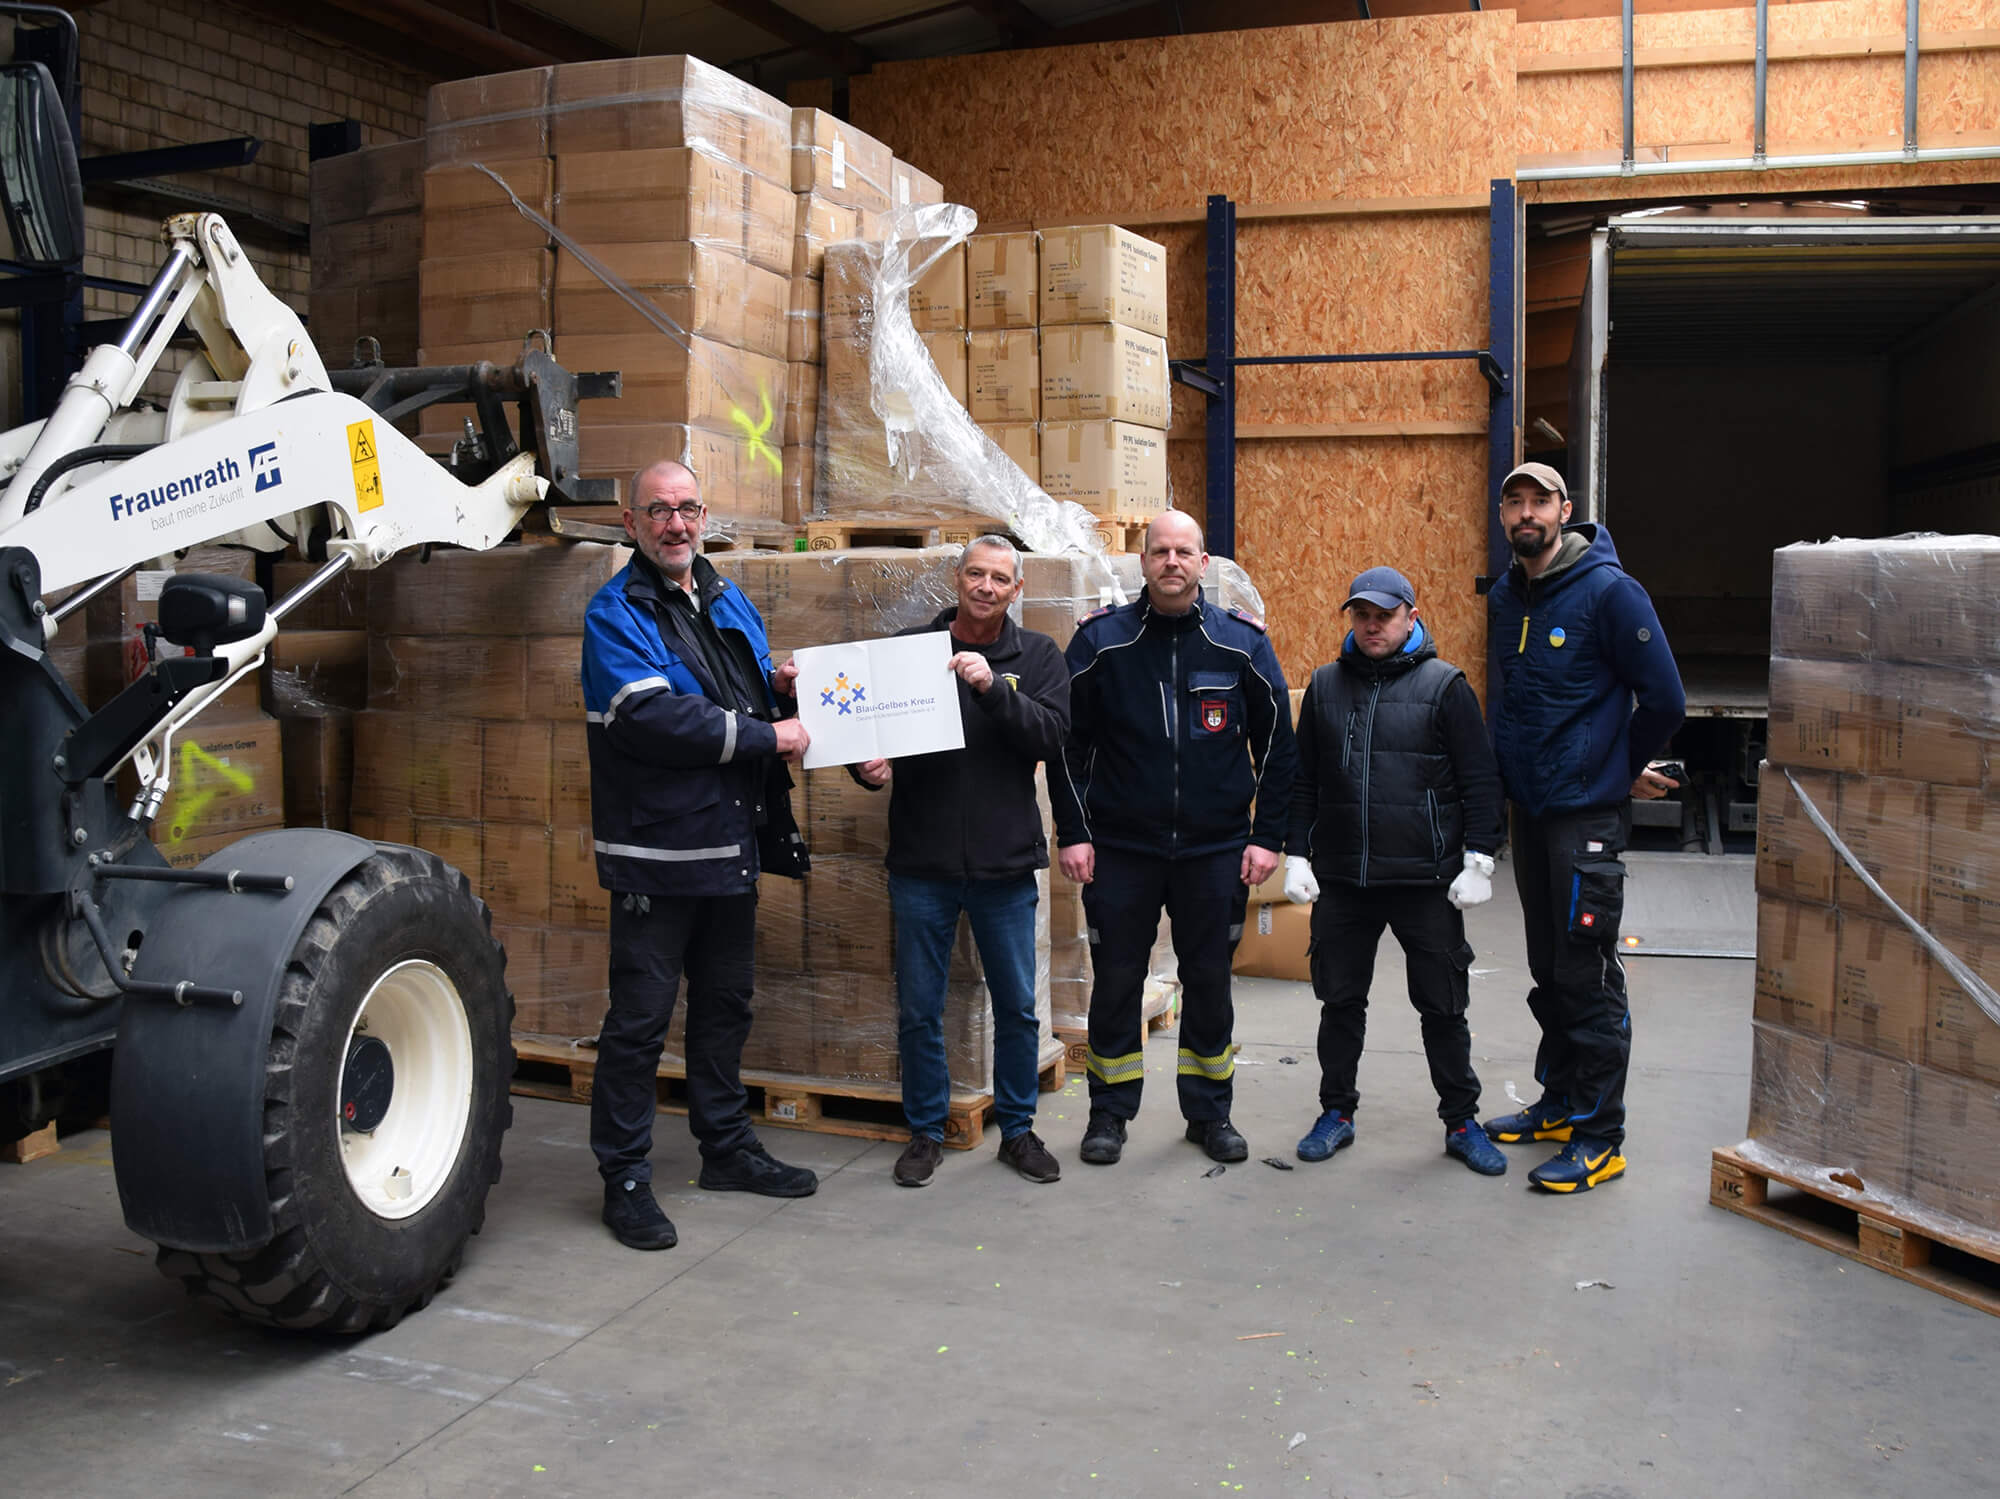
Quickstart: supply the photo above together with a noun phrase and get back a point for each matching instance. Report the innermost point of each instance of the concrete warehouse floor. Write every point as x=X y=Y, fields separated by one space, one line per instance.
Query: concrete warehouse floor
x=985 y=1336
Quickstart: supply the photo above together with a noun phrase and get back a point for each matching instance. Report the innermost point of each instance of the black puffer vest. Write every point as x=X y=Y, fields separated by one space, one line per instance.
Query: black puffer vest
x=1389 y=809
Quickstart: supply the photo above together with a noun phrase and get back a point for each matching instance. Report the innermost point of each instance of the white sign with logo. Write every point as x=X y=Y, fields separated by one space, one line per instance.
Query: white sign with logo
x=878 y=699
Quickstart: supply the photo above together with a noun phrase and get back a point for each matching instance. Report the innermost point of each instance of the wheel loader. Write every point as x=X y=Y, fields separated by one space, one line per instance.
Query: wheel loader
x=307 y=1032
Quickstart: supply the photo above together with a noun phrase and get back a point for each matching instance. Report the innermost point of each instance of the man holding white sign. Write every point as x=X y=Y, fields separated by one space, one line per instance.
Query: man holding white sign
x=965 y=835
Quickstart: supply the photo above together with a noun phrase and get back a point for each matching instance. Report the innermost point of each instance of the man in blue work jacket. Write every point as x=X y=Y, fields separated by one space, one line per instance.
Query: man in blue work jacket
x=689 y=729
x=1179 y=718
x=1588 y=692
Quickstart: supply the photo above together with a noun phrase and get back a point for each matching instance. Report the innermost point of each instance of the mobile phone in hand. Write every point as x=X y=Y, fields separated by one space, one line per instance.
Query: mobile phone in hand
x=1674 y=770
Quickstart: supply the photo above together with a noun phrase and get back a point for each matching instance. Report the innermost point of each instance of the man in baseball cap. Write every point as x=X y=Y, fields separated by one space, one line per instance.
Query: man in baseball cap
x=1588 y=691
x=1396 y=817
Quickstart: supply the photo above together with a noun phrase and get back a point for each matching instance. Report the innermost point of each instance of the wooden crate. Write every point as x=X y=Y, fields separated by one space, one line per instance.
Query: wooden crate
x=1841 y=1215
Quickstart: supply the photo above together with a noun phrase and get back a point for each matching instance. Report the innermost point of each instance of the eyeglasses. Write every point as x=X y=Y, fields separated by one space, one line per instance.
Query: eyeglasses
x=657 y=513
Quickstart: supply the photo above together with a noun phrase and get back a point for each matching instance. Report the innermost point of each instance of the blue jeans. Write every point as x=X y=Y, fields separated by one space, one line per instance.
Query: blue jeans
x=1003 y=925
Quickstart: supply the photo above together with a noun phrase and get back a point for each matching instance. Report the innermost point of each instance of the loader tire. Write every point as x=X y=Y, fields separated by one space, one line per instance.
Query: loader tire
x=399 y=959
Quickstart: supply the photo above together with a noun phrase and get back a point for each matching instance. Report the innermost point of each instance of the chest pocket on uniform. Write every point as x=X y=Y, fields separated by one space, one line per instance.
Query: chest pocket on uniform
x=1216 y=699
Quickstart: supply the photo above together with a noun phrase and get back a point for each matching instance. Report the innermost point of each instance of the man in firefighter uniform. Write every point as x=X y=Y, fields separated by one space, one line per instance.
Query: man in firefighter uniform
x=1179 y=719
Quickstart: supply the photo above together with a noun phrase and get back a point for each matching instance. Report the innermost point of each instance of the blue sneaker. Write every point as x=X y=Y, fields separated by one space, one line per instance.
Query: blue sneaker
x=1469 y=1143
x=1580 y=1165
x=1545 y=1119
x=1330 y=1131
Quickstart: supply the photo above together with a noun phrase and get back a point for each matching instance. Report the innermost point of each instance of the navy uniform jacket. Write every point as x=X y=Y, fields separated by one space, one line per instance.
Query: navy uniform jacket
x=1177 y=723
x=687 y=793
x=1578 y=647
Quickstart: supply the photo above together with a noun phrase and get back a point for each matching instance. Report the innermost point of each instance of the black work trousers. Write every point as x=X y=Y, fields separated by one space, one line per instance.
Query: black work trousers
x=1572 y=886
x=1204 y=898
x=655 y=941
x=1347 y=926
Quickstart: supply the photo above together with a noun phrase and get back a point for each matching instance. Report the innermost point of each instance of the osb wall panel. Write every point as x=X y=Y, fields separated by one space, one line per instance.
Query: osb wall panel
x=1811 y=103
x=1390 y=284
x=1414 y=503
x=1417 y=107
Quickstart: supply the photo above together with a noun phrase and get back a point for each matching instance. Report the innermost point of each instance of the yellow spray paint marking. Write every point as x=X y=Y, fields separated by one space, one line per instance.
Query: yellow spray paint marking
x=366 y=463
x=212 y=777
x=754 y=432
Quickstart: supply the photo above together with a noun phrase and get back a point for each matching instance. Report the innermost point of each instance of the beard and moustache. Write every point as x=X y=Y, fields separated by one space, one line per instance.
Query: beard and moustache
x=1530 y=540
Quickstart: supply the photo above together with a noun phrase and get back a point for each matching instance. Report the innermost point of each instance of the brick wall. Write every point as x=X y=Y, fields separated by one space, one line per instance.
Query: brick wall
x=172 y=72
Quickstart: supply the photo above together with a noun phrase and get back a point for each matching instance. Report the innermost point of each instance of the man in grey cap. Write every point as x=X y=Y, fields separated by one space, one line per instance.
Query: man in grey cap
x=1396 y=817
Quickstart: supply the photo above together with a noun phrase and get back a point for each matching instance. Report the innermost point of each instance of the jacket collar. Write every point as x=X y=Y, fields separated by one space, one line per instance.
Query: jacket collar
x=646 y=582
x=1009 y=643
x=1151 y=617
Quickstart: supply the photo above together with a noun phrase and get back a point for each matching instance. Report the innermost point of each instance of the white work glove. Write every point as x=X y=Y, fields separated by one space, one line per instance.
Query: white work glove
x=1301 y=889
x=1474 y=885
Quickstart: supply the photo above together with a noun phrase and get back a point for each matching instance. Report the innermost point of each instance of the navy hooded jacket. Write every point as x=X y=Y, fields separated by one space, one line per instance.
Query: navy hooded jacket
x=1577 y=646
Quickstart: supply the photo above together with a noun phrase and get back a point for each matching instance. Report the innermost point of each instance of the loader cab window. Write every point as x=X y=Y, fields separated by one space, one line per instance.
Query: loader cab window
x=40 y=187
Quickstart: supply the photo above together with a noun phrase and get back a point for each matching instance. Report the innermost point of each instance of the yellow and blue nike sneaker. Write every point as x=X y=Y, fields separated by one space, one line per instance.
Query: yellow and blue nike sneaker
x=1580 y=1165
x=1545 y=1119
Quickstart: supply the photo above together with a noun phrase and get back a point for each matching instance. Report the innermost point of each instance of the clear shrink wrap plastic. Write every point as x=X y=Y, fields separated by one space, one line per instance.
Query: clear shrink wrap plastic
x=1876 y=1031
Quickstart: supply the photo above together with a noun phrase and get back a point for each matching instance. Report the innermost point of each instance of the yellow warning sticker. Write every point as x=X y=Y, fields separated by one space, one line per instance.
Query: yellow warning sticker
x=366 y=462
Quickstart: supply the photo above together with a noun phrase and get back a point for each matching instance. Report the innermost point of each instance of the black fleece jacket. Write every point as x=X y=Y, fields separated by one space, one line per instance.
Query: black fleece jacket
x=970 y=814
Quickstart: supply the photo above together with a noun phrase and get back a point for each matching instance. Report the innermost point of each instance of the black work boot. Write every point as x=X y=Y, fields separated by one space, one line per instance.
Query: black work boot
x=753 y=1169
x=919 y=1159
x=1219 y=1138
x=1103 y=1140
x=634 y=1218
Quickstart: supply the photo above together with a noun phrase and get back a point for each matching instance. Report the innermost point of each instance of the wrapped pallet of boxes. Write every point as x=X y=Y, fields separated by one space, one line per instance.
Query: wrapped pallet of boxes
x=472 y=746
x=661 y=246
x=367 y=240
x=1876 y=1026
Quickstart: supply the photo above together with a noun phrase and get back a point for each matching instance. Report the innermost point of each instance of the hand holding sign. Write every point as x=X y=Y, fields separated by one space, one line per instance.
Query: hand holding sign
x=876 y=699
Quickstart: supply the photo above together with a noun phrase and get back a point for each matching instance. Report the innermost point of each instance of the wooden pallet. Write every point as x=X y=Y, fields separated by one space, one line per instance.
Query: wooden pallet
x=769 y=539
x=1159 y=1010
x=565 y=1072
x=1122 y=533
x=929 y=531
x=1842 y=1216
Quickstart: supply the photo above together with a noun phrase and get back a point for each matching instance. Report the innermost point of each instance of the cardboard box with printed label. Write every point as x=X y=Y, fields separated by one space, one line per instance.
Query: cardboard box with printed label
x=816 y=223
x=228 y=780
x=950 y=353
x=937 y=295
x=1959 y=1036
x=833 y=159
x=1963 y=894
x=1274 y=943
x=1101 y=273
x=1005 y=383
x=1795 y=965
x=1825 y=715
x=1020 y=441
x=1823 y=601
x=702 y=292
x=1003 y=280
x=913 y=188
x=1882 y=988
x=1104 y=372
x=1794 y=858
x=1886 y=824
x=1955 y=1148
x=1867 y=1128
x=1111 y=468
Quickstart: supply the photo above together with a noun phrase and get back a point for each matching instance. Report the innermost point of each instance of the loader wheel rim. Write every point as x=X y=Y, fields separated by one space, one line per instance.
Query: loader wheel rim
x=399 y=1168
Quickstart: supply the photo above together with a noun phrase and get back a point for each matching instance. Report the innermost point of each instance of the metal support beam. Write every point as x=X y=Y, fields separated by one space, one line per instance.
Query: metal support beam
x=1503 y=308
x=1021 y=26
x=168 y=161
x=1626 y=151
x=1910 y=80
x=1221 y=495
x=843 y=52
x=1763 y=77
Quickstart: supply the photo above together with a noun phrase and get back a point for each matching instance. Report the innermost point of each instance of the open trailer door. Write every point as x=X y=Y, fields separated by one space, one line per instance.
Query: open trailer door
x=1587 y=352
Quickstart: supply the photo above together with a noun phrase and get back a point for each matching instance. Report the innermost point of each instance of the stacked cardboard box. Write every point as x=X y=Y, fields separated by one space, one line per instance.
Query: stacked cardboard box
x=315 y=681
x=472 y=746
x=1275 y=932
x=668 y=186
x=367 y=233
x=1869 y=1055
